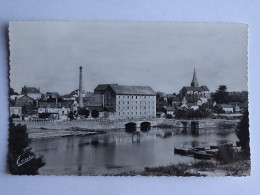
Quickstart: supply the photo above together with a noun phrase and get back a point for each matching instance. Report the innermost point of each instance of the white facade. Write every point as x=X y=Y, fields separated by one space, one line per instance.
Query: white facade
x=136 y=106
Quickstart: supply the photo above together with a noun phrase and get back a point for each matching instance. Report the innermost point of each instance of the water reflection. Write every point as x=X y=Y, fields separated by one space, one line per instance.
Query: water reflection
x=115 y=151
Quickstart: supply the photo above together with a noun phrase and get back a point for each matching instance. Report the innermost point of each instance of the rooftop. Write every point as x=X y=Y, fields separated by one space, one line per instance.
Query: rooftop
x=126 y=90
x=202 y=88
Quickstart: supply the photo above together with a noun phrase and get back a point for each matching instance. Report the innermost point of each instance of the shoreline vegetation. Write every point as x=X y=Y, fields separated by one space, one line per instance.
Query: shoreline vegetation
x=240 y=166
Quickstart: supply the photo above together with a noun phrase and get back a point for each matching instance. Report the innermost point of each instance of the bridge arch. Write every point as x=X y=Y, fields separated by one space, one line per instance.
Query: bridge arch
x=145 y=126
x=130 y=127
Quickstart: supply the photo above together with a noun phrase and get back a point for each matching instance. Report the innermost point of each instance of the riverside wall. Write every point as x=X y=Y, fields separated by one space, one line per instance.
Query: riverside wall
x=110 y=124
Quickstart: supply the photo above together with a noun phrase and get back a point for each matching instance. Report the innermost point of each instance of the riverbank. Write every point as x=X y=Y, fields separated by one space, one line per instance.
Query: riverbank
x=199 y=169
x=52 y=133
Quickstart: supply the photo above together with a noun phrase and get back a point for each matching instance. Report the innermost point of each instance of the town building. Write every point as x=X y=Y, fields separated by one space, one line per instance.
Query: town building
x=15 y=111
x=126 y=101
x=22 y=100
x=228 y=108
x=58 y=110
x=194 y=90
x=31 y=92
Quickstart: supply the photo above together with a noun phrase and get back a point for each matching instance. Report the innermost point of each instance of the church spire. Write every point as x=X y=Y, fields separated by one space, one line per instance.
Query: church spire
x=194 y=82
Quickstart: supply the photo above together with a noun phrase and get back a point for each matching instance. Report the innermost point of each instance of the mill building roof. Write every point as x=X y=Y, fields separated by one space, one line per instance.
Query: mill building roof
x=127 y=90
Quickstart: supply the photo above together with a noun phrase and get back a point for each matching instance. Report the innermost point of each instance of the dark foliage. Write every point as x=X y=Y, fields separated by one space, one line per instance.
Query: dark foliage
x=44 y=115
x=94 y=113
x=218 y=109
x=192 y=114
x=169 y=116
x=242 y=132
x=238 y=96
x=225 y=154
x=221 y=95
x=19 y=150
x=70 y=115
x=83 y=112
x=12 y=92
x=15 y=116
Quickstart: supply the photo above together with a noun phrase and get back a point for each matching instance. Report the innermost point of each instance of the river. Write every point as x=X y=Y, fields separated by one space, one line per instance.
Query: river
x=116 y=152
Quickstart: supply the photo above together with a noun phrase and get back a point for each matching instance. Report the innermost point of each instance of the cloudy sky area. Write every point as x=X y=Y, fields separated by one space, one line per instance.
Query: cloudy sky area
x=160 y=55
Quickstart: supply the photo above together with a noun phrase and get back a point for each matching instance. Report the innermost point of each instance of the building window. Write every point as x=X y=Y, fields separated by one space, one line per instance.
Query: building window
x=136 y=108
x=123 y=102
x=127 y=107
x=132 y=113
x=123 y=113
x=140 y=113
x=136 y=113
x=127 y=102
x=135 y=97
x=127 y=113
x=119 y=102
x=119 y=113
x=127 y=97
x=144 y=97
x=132 y=97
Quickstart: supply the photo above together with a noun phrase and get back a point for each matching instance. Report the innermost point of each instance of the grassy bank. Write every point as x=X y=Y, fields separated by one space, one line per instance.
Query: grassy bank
x=198 y=169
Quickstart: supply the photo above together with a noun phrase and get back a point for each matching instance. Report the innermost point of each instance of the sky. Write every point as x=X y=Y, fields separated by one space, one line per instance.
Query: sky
x=161 y=55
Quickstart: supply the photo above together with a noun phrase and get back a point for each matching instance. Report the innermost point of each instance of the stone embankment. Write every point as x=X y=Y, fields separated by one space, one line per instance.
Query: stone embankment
x=105 y=124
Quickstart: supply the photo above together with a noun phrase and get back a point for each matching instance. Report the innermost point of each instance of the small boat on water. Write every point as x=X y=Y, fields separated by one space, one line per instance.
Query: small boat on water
x=200 y=148
x=183 y=151
x=214 y=147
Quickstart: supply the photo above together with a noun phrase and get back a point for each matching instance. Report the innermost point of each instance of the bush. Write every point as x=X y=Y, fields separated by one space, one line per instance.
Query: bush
x=70 y=115
x=15 y=116
x=83 y=112
x=226 y=154
x=94 y=113
x=44 y=115
x=169 y=116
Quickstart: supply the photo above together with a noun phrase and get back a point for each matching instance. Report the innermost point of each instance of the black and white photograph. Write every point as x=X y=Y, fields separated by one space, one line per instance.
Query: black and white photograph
x=128 y=99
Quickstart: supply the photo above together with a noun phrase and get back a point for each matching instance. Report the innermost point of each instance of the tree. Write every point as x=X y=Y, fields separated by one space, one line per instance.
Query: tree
x=21 y=160
x=94 y=113
x=221 y=95
x=70 y=115
x=12 y=92
x=242 y=132
x=83 y=112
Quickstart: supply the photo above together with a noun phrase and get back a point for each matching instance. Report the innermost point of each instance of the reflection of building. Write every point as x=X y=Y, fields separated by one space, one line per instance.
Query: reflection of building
x=126 y=101
x=194 y=90
x=31 y=92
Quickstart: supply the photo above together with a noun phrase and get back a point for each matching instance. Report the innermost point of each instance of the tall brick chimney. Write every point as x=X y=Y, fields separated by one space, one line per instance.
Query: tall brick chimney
x=81 y=105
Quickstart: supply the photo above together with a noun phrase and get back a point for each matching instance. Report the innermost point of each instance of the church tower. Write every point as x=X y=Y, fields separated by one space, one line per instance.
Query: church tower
x=194 y=82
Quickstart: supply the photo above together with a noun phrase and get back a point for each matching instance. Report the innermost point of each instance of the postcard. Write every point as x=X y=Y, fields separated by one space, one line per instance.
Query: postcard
x=128 y=99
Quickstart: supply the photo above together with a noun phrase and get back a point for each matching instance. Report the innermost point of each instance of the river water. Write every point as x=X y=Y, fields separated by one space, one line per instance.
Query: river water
x=116 y=151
